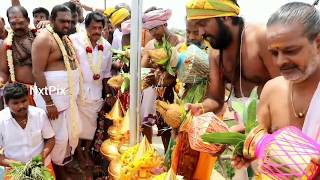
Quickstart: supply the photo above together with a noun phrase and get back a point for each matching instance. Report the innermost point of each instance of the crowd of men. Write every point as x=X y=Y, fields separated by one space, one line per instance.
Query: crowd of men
x=68 y=58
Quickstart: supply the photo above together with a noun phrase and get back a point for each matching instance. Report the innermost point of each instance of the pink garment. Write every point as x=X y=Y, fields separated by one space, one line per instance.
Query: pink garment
x=156 y=18
x=126 y=27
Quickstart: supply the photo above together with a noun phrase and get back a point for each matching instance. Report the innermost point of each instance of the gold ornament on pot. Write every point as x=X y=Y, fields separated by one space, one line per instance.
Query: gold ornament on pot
x=116 y=114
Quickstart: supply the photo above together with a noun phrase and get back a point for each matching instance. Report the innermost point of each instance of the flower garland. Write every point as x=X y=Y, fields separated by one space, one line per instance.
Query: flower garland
x=96 y=70
x=75 y=128
x=8 y=49
x=130 y=165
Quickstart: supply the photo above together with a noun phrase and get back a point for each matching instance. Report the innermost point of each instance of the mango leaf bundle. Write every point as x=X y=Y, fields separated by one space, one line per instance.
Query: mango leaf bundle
x=162 y=55
x=247 y=112
x=123 y=56
x=33 y=169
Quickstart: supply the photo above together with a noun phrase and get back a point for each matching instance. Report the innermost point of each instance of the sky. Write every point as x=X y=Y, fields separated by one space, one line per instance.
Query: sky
x=255 y=11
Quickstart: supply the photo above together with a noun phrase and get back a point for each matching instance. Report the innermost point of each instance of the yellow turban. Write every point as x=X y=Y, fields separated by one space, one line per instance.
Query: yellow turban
x=116 y=16
x=203 y=9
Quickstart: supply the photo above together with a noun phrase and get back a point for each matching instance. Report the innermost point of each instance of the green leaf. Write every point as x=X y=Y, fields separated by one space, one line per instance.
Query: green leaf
x=37 y=159
x=125 y=85
x=239 y=107
x=254 y=93
x=168 y=154
x=229 y=138
x=238 y=149
x=199 y=92
x=170 y=70
x=190 y=96
x=251 y=115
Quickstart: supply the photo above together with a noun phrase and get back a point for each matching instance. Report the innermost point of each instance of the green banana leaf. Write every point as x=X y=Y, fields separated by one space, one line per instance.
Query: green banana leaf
x=250 y=112
x=228 y=138
x=168 y=154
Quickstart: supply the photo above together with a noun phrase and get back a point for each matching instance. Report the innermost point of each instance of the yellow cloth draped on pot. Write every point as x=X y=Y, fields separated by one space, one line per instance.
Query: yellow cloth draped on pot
x=116 y=16
x=204 y=9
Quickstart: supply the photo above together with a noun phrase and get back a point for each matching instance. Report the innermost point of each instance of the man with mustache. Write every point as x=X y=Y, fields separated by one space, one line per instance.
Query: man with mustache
x=193 y=37
x=55 y=65
x=293 y=39
x=243 y=62
x=15 y=53
x=94 y=53
x=25 y=131
x=40 y=14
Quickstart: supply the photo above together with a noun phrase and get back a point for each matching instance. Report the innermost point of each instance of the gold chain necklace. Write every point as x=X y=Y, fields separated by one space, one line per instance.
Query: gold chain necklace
x=299 y=115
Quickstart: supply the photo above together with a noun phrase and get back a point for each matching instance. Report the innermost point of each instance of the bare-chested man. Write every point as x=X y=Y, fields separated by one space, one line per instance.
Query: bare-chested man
x=155 y=21
x=15 y=59
x=55 y=67
x=293 y=38
x=244 y=60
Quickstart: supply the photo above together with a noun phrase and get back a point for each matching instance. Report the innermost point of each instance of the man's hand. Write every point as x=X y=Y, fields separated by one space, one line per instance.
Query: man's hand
x=42 y=24
x=196 y=109
x=239 y=162
x=52 y=112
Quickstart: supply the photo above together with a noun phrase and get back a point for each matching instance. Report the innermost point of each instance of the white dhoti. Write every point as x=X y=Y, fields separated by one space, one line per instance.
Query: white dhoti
x=148 y=109
x=66 y=135
x=88 y=111
x=311 y=125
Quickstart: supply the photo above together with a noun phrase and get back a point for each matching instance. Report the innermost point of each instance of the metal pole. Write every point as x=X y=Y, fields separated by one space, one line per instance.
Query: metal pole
x=135 y=59
x=105 y=4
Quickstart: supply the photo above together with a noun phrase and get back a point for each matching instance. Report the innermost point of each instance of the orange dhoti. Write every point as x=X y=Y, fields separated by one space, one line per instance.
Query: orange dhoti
x=189 y=163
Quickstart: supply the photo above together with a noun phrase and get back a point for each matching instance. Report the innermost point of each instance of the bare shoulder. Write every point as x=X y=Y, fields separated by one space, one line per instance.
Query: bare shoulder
x=44 y=37
x=256 y=32
x=213 y=55
x=150 y=44
x=274 y=86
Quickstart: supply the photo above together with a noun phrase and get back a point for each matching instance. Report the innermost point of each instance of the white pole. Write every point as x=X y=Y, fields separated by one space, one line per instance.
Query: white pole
x=135 y=65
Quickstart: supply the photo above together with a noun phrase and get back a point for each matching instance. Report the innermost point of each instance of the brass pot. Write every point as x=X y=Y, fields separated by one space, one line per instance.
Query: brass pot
x=109 y=149
x=114 y=169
